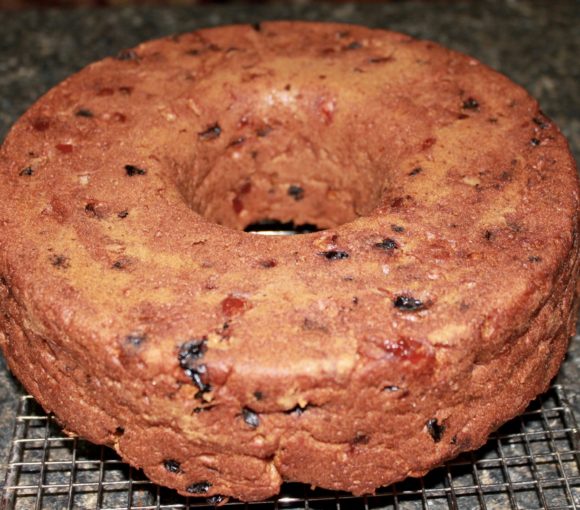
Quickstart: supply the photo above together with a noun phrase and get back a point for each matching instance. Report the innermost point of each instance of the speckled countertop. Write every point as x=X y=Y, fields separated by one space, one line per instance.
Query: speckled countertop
x=535 y=43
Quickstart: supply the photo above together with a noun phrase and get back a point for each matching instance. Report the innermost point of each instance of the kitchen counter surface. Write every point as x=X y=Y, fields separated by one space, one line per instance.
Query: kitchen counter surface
x=535 y=43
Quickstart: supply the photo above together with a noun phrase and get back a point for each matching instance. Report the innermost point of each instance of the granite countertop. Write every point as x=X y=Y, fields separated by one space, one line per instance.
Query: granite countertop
x=535 y=43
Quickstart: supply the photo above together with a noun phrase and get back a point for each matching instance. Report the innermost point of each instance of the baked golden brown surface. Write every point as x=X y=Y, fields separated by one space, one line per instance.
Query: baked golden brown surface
x=437 y=303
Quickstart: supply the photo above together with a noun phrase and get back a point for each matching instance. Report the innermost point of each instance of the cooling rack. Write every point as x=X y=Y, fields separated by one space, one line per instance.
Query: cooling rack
x=533 y=462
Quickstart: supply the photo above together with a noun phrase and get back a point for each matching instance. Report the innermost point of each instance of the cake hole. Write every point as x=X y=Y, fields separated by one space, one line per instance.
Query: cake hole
x=280 y=228
x=286 y=160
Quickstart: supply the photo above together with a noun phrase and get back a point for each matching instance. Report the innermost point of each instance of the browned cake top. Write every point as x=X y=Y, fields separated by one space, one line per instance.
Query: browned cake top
x=449 y=201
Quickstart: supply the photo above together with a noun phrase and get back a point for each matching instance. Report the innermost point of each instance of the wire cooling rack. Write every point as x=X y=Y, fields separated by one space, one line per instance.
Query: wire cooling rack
x=533 y=462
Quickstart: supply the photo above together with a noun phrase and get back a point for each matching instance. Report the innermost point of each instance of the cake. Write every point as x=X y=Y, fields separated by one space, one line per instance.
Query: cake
x=434 y=303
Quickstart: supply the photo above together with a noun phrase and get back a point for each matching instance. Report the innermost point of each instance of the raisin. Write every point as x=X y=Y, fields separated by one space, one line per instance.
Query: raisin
x=135 y=339
x=534 y=258
x=408 y=303
x=534 y=142
x=268 y=263
x=196 y=375
x=191 y=351
x=387 y=244
x=397 y=228
x=251 y=418
x=211 y=133
x=264 y=131
x=257 y=26
x=313 y=325
x=120 y=264
x=416 y=170
x=83 y=112
x=435 y=429
x=215 y=500
x=134 y=170
x=540 y=122
x=334 y=255
x=93 y=210
x=296 y=192
x=258 y=395
x=199 y=487
x=391 y=388
x=60 y=261
x=188 y=355
x=172 y=466
x=360 y=439
x=470 y=104
x=488 y=235
x=28 y=171
x=202 y=409
x=355 y=45
x=123 y=214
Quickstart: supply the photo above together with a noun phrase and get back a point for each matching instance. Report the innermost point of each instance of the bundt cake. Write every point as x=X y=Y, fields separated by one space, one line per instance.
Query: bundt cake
x=433 y=304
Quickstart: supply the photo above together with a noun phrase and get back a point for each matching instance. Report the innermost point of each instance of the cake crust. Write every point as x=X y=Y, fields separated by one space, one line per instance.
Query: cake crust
x=435 y=305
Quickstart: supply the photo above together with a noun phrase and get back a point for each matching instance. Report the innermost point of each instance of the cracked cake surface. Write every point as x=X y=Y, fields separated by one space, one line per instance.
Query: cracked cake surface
x=434 y=304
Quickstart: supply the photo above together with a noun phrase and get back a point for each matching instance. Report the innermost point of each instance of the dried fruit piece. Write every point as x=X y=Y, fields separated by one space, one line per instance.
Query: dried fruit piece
x=199 y=487
x=216 y=500
x=60 y=261
x=134 y=170
x=188 y=356
x=435 y=429
x=296 y=192
x=135 y=339
x=334 y=254
x=172 y=465
x=84 y=112
x=408 y=303
x=470 y=104
x=250 y=417
x=191 y=351
x=233 y=305
x=387 y=244
x=211 y=133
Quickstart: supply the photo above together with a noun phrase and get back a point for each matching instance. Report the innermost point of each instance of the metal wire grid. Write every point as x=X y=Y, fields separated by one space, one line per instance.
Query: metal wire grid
x=533 y=462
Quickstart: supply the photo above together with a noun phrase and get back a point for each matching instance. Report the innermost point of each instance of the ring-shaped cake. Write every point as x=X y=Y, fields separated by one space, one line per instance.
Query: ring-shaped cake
x=434 y=304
